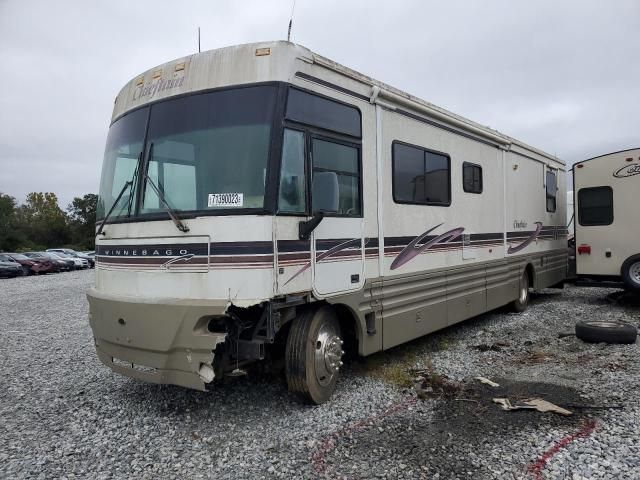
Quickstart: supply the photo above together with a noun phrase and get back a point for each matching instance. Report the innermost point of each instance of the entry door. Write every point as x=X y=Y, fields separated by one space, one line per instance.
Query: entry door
x=338 y=244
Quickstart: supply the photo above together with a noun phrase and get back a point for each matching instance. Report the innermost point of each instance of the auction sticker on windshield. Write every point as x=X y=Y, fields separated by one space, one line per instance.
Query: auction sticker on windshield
x=226 y=200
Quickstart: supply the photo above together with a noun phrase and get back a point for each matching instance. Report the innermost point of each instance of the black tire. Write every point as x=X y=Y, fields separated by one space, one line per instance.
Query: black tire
x=521 y=303
x=308 y=340
x=607 y=331
x=630 y=272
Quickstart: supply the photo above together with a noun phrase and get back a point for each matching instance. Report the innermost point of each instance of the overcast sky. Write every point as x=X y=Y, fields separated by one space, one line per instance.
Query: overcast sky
x=563 y=76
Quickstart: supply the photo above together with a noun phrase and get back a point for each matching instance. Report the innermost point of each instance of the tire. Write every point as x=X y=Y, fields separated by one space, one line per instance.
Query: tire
x=521 y=303
x=630 y=272
x=594 y=331
x=313 y=353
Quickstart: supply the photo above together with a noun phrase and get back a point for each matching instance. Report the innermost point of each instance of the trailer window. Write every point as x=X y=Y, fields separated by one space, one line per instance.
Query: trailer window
x=595 y=206
x=421 y=176
x=551 y=190
x=471 y=177
x=343 y=161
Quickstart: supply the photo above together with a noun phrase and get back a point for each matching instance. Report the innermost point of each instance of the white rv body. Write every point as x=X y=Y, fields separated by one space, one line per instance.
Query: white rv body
x=607 y=220
x=393 y=270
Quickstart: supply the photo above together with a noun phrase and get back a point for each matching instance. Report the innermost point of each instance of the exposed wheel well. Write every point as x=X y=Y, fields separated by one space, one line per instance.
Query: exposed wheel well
x=530 y=275
x=348 y=326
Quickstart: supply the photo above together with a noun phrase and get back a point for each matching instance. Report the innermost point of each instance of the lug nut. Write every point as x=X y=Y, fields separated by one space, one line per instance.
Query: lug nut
x=341 y=363
x=341 y=342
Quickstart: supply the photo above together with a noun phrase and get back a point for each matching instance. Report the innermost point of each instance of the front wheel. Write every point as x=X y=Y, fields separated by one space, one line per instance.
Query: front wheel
x=520 y=304
x=313 y=354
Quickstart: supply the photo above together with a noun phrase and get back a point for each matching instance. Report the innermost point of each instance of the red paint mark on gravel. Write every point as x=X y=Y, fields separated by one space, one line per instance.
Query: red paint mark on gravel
x=536 y=467
x=319 y=457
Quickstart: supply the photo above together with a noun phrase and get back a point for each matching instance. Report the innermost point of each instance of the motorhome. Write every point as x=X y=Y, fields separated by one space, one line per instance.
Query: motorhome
x=262 y=201
x=607 y=221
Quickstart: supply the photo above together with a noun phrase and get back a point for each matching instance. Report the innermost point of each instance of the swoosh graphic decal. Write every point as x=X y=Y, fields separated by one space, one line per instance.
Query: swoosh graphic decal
x=413 y=249
x=181 y=258
x=342 y=246
x=525 y=244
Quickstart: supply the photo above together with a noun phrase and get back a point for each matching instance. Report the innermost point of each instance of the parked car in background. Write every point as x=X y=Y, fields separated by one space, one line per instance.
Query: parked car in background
x=9 y=267
x=40 y=258
x=59 y=264
x=72 y=253
x=71 y=263
x=79 y=263
x=31 y=266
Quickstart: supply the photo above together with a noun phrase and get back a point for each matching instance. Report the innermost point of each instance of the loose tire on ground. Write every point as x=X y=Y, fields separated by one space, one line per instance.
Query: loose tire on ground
x=597 y=331
x=313 y=354
x=520 y=304
x=630 y=272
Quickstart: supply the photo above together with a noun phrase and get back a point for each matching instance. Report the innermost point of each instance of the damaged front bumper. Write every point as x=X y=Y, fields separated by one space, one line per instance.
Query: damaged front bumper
x=156 y=340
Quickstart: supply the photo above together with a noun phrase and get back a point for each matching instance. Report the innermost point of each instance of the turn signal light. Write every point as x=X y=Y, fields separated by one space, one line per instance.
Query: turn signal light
x=586 y=249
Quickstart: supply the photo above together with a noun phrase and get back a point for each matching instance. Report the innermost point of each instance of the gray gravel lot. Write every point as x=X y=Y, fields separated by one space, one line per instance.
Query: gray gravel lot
x=65 y=415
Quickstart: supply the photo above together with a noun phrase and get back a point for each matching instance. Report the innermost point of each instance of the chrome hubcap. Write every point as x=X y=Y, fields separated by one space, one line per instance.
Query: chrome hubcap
x=328 y=354
x=634 y=272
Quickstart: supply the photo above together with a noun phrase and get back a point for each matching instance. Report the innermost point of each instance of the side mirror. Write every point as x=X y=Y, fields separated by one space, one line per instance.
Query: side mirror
x=325 y=194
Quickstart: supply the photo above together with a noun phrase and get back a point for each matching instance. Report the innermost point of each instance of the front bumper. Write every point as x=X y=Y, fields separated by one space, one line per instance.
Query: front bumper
x=163 y=341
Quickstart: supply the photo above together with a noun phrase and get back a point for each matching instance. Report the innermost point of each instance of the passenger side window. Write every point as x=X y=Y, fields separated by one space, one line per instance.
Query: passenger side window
x=551 y=190
x=421 y=176
x=337 y=168
x=595 y=206
x=471 y=178
x=292 y=197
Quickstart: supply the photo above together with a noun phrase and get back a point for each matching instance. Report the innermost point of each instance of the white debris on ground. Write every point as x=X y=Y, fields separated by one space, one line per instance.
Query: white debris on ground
x=65 y=415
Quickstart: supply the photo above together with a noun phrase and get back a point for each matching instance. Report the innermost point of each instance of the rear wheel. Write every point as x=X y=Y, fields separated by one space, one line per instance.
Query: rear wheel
x=313 y=354
x=520 y=304
x=631 y=273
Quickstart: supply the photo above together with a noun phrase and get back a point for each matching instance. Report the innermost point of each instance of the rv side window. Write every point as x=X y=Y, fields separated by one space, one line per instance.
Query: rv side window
x=551 y=191
x=337 y=167
x=421 y=176
x=595 y=206
x=292 y=179
x=315 y=110
x=471 y=178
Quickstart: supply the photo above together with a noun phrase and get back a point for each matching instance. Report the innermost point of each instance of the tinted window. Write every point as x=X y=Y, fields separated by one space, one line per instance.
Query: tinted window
x=551 y=189
x=124 y=145
x=420 y=176
x=471 y=178
x=210 y=150
x=319 y=111
x=595 y=206
x=342 y=161
x=292 y=179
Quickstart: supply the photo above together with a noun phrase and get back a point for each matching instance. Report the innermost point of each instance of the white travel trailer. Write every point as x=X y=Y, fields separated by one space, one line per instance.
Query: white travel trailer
x=607 y=220
x=262 y=200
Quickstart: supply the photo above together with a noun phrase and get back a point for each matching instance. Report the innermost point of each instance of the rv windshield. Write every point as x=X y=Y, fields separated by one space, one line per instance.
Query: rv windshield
x=210 y=153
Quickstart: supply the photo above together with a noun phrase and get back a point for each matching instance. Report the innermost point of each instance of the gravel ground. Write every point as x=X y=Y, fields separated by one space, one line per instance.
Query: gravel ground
x=64 y=415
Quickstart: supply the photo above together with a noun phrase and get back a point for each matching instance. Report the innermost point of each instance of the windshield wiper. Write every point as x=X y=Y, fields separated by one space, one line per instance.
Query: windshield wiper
x=172 y=213
x=128 y=184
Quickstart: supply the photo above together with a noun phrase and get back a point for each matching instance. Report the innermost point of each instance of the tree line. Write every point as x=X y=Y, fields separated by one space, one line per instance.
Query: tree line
x=39 y=223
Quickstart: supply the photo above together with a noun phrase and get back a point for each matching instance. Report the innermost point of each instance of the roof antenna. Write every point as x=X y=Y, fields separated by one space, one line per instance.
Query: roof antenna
x=198 y=39
x=291 y=21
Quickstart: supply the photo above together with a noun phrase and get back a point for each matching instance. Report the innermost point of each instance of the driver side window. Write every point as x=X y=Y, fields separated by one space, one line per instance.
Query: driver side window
x=292 y=197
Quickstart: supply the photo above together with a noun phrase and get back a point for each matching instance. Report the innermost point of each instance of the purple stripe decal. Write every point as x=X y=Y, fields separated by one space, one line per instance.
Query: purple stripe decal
x=525 y=244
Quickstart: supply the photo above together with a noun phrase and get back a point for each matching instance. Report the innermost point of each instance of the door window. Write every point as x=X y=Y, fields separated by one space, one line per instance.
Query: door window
x=337 y=166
